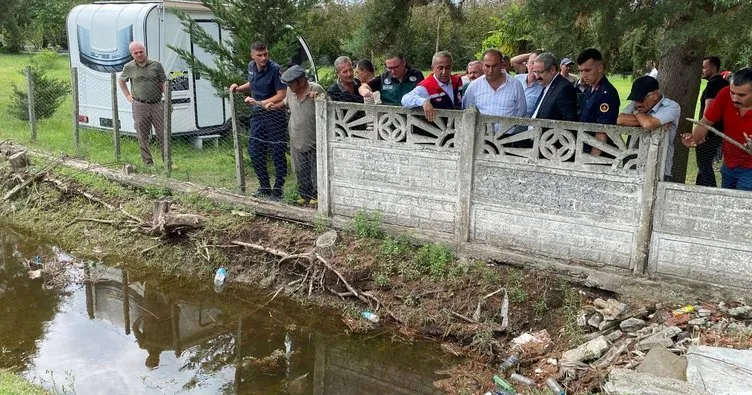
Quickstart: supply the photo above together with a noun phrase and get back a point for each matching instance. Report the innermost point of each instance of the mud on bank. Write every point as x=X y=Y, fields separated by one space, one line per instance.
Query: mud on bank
x=416 y=290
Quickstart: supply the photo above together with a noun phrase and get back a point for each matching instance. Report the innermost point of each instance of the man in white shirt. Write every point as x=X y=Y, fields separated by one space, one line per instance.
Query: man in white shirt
x=649 y=109
x=496 y=92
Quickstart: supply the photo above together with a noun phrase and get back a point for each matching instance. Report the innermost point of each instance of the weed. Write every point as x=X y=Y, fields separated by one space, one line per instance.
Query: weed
x=322 y=223
x=515 y=288
x=382 y=280
x=392 y=251
x=490 y=276
x=540 y=307
x=157 y=192
x=434 y=259
x=368 y=226
x=572 y=302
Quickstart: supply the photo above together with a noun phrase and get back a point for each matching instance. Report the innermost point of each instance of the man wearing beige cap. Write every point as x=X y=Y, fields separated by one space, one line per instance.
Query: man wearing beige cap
x=299 y=99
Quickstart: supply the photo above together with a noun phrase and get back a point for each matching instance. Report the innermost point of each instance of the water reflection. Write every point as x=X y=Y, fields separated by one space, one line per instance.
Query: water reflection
x=127 y=332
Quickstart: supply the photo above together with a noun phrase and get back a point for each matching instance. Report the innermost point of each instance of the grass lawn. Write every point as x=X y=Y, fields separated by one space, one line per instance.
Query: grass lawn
x=10 y=384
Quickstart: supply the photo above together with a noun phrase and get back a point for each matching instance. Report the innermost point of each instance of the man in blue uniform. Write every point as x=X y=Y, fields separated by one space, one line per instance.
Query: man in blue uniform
x=268 y=126
x=600 y=102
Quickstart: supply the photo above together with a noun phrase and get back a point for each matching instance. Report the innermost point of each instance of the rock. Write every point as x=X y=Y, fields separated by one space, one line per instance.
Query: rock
x=35 y=274
x=662 y=338
x=677 y=321
x=661 y=362
x=606 y=324
x=582 y=319
x=611 y=309
x=704 y=312
x=720 y=370
x=614 y=336
x=698 y=322
x=535 y=344
x=595 y=320
x=628 y=382
x=741 y=312
x=587 y=351
x=682 y=335
x=632 y=324
x=552 y=361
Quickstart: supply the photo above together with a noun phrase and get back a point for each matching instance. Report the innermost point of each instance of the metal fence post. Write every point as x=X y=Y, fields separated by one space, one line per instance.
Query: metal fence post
x=30 y=99
x=168 y=128
x=74 y=90
x=238 y=145
x=115 y=116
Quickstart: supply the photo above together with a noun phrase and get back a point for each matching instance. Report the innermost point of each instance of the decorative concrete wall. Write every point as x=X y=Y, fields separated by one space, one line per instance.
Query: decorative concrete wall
x=703 y=234
x=516 y=188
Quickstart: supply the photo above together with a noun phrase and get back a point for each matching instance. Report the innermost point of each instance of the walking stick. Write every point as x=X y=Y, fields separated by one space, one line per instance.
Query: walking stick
x=747 y=147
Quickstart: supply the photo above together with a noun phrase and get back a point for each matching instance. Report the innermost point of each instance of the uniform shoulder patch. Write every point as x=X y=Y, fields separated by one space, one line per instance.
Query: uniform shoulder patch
x=604 y=107
x=387 y=80
x=413 y=78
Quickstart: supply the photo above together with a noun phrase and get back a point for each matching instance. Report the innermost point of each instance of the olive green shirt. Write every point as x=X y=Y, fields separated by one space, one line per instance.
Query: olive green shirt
x=147 y=81
x=302 y=124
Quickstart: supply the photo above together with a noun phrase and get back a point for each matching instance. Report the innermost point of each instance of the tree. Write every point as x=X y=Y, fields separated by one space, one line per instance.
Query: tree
x=675 y=33
x=269 y=21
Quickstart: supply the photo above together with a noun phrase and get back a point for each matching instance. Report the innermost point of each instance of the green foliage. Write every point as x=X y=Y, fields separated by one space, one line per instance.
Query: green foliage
x=512 y=34
x=382 y=280
x=515 y=288
x=49 y=92
x=435 y=259
x=248 y=21
x=368 y=226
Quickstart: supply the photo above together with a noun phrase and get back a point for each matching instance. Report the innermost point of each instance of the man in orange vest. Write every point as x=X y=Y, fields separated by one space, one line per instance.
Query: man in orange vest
x=440 y=90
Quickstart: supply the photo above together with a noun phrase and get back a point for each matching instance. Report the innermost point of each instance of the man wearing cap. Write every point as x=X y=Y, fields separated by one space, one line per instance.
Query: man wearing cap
x=346 y=87
x=268 y=126
x=147 y=79
x=299 y=99
x=650 y=110
x=558 y=100
x=393 y=83
x=600 y=101
x=733 y=107
x=529 y=83
x=564 y=68
x=440 y=90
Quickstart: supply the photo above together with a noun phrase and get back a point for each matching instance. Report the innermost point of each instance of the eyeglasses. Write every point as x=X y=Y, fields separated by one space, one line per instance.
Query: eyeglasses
x=540 y=72
x=393 y=67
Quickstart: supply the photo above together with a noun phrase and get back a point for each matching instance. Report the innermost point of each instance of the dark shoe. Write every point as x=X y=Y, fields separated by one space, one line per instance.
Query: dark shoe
x=276 y=194
x=262 y=193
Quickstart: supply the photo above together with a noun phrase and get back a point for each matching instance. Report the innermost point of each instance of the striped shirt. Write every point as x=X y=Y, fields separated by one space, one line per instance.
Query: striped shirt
x=508 y=100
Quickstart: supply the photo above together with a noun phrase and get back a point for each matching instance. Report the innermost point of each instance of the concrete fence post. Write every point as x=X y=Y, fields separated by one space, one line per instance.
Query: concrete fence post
x=653 y=174
x=324 y=123
x=30 y=97
x=74 y=91
x=237 y=146
x=115 y=116
x=465 y=138
x=168 y=129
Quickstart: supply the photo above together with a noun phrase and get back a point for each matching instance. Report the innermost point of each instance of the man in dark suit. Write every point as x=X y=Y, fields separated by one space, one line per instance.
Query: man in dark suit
x=559 y=97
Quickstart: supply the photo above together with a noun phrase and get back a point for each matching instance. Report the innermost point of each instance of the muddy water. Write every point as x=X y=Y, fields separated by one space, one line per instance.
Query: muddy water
x=124 y=332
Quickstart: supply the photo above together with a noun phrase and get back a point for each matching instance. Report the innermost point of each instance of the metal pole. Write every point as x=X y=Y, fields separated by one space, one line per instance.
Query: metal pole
x=239 y=168
x=74 y=88
x=30 y=99
x=168 y=129
x=115 y=116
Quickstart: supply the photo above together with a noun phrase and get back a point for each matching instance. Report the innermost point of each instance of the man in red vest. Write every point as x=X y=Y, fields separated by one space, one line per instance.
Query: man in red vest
x=440 y=90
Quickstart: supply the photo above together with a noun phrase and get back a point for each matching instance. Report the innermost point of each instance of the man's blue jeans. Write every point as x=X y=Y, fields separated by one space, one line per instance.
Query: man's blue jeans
x=736 y=178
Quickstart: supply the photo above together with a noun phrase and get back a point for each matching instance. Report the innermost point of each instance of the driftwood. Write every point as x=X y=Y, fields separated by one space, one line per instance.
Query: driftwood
x=32 y=179
x=165 y=222
x=18 y=161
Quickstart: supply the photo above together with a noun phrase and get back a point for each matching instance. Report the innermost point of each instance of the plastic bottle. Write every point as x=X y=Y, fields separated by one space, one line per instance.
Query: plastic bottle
x=220 y=277
x=504 y=385
x=555 y=387
x=506 y=365
x=521 y=379
x=370 y=316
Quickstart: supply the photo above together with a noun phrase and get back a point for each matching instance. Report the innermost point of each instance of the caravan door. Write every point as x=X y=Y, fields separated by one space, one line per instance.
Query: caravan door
x=210 y=109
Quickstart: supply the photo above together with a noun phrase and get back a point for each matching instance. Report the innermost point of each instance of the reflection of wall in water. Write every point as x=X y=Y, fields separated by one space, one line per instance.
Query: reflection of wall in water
x=186 y=324
x=361 y=370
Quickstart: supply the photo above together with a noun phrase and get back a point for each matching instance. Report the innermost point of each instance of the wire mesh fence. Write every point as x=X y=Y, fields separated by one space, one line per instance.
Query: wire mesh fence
x=171 y=130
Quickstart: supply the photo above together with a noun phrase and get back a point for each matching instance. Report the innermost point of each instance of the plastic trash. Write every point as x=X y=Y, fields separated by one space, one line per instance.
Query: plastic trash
x=555 y=387
x=37 y=260
x=220 y=277
x=504 y=385
x=506 y=365
x=522 y=379
x=370 y=316
x=498 y=392
x=684 y=310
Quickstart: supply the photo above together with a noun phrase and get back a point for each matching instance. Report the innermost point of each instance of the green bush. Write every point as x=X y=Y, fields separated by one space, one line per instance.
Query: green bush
x=49 y=92
x=368 y=226
x=434 y=259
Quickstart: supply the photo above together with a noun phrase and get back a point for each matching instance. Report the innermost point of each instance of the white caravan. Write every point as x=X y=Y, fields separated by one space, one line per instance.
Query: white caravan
x=98 y=39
